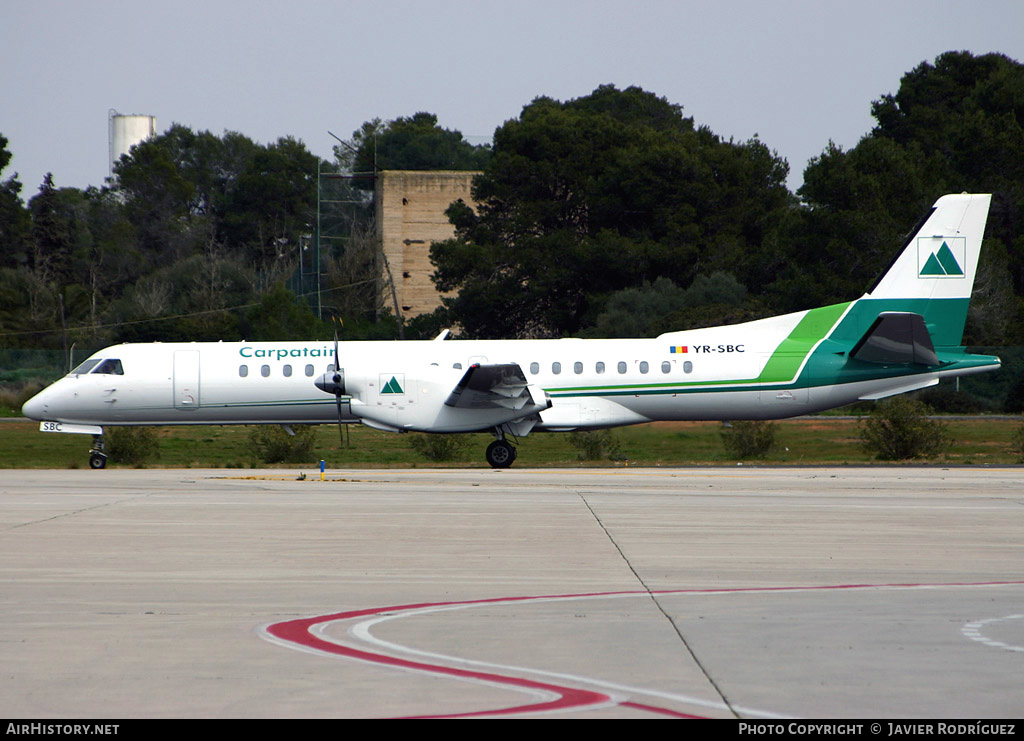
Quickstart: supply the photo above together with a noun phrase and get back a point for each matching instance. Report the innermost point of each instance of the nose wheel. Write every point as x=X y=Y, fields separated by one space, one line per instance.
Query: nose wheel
x=97 y=458
x=500 y=454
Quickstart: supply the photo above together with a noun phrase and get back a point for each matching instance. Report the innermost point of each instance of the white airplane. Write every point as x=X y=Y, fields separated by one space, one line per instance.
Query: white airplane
x=903 y=334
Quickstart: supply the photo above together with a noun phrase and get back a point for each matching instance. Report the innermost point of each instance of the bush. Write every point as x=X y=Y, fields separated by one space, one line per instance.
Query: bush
x=1018 y=443
x=131 y=445
x=439 y=447
x=899 y=429
x=749 y=439
x=273 y=445
x=13 y=396
x=593 y=445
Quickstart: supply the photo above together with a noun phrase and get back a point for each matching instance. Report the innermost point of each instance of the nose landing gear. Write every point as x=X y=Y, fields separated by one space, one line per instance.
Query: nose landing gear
x=97 y=458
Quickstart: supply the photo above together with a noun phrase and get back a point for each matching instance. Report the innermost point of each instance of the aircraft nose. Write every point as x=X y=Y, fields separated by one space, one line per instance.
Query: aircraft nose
x=35 y=408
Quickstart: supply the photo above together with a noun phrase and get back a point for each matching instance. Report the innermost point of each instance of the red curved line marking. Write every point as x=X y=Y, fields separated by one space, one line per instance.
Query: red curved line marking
x=570 y=698
x=298 y=632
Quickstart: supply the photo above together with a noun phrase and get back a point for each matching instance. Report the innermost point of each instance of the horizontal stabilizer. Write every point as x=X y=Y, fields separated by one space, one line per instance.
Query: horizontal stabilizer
x=896 y=338
x=904 y=389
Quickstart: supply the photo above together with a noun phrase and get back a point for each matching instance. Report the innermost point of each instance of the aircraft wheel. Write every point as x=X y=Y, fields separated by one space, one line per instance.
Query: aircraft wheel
x=500 y=454
x=97 y=460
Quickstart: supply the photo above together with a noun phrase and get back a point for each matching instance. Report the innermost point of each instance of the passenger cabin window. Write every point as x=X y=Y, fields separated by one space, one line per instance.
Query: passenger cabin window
x=622 y=366
x=457 y=366
x=111 y=367
x=84 y=368
x=643 y=366
x=599 y=367
x=687 y=367
x=577 y=367
x=265 y=371
x=666 y=367
x=534 y=368
x=309 y=370
x=287 y=370
x=243 y=371
x=556 y=367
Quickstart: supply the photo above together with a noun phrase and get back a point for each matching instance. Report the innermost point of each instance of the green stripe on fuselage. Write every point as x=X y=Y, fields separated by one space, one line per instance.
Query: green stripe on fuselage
x=785 y=362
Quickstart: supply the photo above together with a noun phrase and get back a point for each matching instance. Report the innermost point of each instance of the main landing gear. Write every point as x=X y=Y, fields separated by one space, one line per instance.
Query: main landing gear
x=500 y=453
x=97 y=458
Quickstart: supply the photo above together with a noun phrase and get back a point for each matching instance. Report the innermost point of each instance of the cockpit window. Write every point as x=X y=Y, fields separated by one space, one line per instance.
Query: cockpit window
x=85 y=367
x=111 y=367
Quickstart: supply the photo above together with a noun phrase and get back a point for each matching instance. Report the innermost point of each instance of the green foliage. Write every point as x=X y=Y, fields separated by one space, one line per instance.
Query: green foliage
x=131 y=445
x=1018 y=443
x=439 y=447
x=416 y=142
x=599 y=194
x=279 y=317
x=15 y=221
x=945 y=399
x=749 y=439
x=273 y=444
x=13 y=396
x=651 y=309
x=188 y=193
x=594 y=445
x=899 y=429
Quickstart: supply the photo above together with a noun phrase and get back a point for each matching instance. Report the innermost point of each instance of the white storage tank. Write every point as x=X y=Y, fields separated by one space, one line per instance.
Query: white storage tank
x=127 y=130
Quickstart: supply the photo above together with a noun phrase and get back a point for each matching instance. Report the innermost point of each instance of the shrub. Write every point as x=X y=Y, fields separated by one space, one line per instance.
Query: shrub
x=899 y=429
x=439 y=447
x=1018 y=443
x=593 y=445
x=749 y=439
x=131 y=445
x=274 y=445
x=12 y=397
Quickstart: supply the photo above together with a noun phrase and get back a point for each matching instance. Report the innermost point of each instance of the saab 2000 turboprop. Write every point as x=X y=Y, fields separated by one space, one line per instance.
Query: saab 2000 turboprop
x=903 y=334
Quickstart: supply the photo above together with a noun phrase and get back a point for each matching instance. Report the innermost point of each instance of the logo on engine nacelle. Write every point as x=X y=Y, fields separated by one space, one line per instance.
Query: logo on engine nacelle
x=393 y=385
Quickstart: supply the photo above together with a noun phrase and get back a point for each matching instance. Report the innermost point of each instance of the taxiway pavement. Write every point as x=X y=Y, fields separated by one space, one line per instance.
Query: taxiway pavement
x=716 y=592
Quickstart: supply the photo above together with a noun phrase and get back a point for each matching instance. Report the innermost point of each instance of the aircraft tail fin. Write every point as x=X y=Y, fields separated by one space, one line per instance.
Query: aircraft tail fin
x=934 y=273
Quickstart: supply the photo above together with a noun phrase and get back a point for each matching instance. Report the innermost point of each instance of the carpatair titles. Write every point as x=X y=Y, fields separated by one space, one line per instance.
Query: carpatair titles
x=280 y=353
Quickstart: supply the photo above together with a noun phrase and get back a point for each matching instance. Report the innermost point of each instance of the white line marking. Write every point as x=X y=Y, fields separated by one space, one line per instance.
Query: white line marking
x=973 y=631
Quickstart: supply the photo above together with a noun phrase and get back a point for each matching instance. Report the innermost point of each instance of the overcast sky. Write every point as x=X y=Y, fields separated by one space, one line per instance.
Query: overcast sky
x=796 y=73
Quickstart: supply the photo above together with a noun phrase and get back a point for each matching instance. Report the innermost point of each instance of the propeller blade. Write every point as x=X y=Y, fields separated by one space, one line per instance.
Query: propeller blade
x=337 y=381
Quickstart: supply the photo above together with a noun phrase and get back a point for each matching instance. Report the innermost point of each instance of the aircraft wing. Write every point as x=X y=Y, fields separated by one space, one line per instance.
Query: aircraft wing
x=495 y=386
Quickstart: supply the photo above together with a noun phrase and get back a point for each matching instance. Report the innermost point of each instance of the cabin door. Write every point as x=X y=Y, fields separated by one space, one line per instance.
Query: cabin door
x=186 y=379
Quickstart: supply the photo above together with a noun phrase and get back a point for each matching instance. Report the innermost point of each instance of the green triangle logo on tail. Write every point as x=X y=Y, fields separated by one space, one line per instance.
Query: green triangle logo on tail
x=942 y=264
x=392 y=387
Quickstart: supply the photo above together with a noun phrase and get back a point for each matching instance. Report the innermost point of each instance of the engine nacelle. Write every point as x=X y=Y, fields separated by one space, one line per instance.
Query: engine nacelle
x=332 y=382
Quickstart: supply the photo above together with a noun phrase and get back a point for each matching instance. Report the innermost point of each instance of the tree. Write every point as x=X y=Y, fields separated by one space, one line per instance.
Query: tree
x=416 y=142
x=270 y=204
x=15 y=222
x=584 y=198
x=183 y=188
